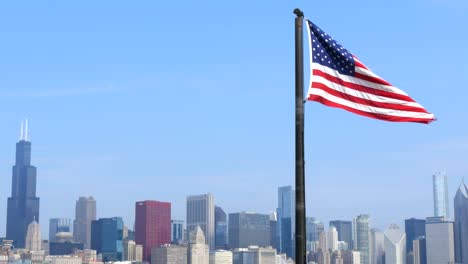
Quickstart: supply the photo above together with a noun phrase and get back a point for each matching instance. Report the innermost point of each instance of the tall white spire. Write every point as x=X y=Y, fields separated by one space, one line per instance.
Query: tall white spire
x=26 y=130
x=21 y=133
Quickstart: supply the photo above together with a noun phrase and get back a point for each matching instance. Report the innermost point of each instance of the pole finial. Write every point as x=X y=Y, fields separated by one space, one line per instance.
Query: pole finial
x=298 y=12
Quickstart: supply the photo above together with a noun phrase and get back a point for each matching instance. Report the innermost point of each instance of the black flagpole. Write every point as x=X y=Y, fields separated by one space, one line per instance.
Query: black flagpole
x=300 y=186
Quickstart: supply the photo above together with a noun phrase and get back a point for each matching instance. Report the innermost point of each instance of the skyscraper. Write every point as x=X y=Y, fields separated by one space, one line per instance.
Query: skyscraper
x=395 y=245
x=461 y=224
x=345 y=231
x=169 y=254
x=85 y=212
x=439 y=241
x=273 y=225
x=177 y=231
x=198 y=251
x=414 y=228
x=33 y=237
x=201 y=212
x=419 y=251
x=152 y=225
x=377 y=247
x=23 y=205
x=220 y=228
x=286 y=220
x=57 y=225
x=441 y=202
x=332 y=238
x=313 y=229
x=249 y=229
x=361 y=225
x=106 y=238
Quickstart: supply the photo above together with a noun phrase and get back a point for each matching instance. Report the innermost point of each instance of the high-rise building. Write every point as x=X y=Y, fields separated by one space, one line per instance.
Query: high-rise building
x=254 y=255
x=361 y=226
x=419 y=251
x=351 y=257
x=177 y=231
x=169 y=254
x=414 y=228
x=152 y=225
x=345 y=230
x=201 y=212
x=461 y=224
x=286 y=221
x=198 y=251
x=107 y=237
x=221 y=228
x=221 y=257
x=57 y=225
x=377 y=247
x=85 y=212
x=273 y=224
x=440 y=246
x=440 y=190
x=332 y=238
x=249 y=229
x=23 y=205
x=313 y=229
x=33 y=237
x=395 y=245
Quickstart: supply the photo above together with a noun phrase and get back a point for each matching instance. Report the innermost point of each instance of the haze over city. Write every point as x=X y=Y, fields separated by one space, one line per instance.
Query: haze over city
x=129 y=102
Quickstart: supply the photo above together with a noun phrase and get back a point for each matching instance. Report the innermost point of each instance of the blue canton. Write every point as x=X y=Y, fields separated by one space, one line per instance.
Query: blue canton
x=327 y=52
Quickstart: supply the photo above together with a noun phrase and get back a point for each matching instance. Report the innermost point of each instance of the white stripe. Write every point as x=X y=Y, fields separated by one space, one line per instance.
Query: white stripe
x=347 y=78
x=363 y=95
x=369 y=109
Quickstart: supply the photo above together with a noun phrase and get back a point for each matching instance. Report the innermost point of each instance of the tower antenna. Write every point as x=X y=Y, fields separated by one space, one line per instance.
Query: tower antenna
x=21 y=133
x=26 y=130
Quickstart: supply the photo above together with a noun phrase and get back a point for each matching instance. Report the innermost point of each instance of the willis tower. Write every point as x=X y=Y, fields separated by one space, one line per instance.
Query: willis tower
x=23 y=205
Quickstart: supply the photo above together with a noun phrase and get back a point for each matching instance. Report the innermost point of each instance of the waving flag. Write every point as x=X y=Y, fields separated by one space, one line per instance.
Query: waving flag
x=339 y=79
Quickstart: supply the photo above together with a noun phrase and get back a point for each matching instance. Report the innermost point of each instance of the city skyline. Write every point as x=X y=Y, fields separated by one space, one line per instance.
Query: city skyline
x=128 y=74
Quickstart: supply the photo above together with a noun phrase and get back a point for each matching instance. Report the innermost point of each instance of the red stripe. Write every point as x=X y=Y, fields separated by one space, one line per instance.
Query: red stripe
x=367 y=114
x=361 y=88
x=371 y=79
x=359 y=64
x=367 y=102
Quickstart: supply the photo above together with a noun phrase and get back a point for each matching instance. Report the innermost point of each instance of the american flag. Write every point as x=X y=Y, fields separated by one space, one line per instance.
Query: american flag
x=339 y=79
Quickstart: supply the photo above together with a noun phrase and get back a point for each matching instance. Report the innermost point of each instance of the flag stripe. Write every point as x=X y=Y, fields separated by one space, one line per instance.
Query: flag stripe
x=358 y=87
x=391 y=118
x=366 y=102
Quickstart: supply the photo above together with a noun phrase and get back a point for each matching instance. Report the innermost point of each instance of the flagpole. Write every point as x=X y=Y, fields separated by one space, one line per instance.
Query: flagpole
x=300 y=234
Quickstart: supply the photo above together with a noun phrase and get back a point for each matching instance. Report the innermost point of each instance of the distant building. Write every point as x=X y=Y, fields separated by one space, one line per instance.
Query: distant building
x=313 y=229
x=198 y=251
x=57 y=225
x=332 y=238
x=285 y=230
x=221 y=257
x=440 y=191
x=273 y=225
x=169 y=254
x=107 y=237
x=439 y=241
x=221 y=228
x=345 y=230
x=177 y=231
x=23 y=205
x=85 y=213
x=377 y=247
x=361 y=225
x=414 y=228
x=419 y=251
x=395 y=245
x=249 y=229
x=64 y=248
x=132 y=251
x=152 y=225
x=201 y=212
x=461 y=224
x=33 y=237
x=351 y=257
x=63 y=260
x=254 y=255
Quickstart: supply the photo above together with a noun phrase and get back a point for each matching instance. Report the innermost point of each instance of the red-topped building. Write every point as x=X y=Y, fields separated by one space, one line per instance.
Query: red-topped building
x=152 y=225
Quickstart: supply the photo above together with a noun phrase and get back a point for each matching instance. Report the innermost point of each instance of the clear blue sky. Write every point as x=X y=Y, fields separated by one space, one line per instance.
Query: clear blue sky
x=134 y=100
